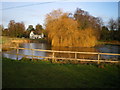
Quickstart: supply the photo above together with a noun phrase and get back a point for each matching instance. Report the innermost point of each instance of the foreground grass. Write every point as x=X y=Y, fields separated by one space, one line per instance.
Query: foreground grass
x=43 y=74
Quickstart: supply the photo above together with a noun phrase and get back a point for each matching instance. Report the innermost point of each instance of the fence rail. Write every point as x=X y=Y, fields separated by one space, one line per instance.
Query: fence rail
x=63 y=58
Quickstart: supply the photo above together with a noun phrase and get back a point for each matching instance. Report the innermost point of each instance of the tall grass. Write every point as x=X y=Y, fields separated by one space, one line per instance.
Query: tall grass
x=11 y=41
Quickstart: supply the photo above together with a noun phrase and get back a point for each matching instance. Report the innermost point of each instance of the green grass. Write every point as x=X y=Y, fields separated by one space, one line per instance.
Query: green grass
x=43 y=74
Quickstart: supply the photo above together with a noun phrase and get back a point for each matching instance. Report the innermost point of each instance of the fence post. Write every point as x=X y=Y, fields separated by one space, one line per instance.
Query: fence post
x=53 y=56
x=31 y=51
x=75 y=55
x=32 y=54
x=17 y=51
x=98 y=58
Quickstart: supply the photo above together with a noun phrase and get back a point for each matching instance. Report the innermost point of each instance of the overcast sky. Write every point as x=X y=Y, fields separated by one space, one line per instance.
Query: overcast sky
x=32 y=13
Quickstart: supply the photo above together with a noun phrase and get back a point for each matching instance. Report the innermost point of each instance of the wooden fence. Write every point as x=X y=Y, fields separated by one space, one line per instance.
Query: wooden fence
x=98 y=60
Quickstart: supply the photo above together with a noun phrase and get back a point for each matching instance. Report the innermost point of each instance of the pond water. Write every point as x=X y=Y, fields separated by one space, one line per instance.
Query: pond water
x=44 y=46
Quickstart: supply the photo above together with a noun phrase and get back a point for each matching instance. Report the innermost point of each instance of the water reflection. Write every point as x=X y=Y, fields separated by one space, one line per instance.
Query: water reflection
x=76 y=49
x=109 y=49
x=44 y=46
x=27 y=52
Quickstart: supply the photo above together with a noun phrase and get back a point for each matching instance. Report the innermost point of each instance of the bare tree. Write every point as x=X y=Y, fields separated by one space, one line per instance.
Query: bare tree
x=112 y=24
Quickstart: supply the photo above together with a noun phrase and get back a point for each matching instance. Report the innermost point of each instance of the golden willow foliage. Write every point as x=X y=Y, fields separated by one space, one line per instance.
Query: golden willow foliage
x=63 y=31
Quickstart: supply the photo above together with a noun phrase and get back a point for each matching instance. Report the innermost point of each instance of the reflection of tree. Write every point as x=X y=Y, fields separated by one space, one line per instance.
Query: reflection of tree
x=72 y=55
x=119 y=52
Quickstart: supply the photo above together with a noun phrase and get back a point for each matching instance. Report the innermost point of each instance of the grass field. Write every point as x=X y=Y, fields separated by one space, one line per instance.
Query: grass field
x=43 y=74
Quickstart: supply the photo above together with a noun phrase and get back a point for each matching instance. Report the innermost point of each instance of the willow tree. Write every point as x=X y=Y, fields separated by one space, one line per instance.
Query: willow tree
x=63 y=31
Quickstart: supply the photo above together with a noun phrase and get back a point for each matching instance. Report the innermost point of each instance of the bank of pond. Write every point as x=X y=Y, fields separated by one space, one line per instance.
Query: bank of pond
x=102 y=47
x=45 y=46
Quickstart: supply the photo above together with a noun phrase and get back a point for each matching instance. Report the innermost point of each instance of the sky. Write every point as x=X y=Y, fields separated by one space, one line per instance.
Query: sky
x=33 y=13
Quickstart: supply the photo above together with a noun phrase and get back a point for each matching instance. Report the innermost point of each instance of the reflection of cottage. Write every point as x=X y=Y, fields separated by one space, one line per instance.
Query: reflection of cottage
x=33 y=36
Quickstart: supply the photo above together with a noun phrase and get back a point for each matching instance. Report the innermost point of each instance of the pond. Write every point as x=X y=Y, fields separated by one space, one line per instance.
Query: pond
x=45 y=46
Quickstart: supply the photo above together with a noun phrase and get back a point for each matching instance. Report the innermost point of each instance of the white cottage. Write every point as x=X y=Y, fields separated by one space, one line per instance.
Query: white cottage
x=33 y=36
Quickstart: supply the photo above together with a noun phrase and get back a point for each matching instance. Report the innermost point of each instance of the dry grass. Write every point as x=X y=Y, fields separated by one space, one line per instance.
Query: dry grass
x=8 y=42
